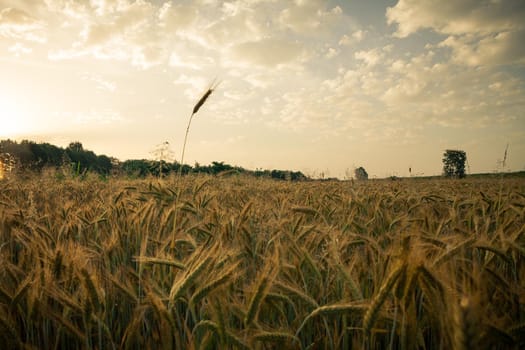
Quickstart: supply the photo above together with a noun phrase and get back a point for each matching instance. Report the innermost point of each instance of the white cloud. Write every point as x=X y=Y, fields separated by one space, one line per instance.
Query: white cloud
x=225 y=23
x=354 y=38
x=175 y=17
x=126 y=22
x=195 y=85
x=258 y=80
x=18 y=24
x=235 y=33
x=101 y=83
x=501 y=48
x=268 y=52
x=64 y=54
x=116 y=30
x=331 y=53
x=19 y=49
x=235 y=139
x=457 y=16
x=359 y=35
x=103 y=7
x=309 y=15
x=147 y=56
x=177 y=61
x=71 y=9
x=370 y=57
x=479 y=32
x=345 y=40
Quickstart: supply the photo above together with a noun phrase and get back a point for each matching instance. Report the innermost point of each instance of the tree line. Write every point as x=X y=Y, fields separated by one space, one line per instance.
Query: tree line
x=32 y=156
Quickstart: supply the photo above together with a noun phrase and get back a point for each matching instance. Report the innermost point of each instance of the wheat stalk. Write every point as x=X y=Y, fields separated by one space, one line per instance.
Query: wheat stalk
x=196 y=108
x=206 y=289
x=276 y=337
x=298 y=293
x=159 y=261
x=335 y=309
x=255 y=302
x=371 y=314
x=467 y=330
x=92 y=290
x=179 y=286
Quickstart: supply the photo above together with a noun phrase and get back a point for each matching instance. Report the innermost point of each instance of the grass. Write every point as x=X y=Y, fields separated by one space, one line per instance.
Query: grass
x=258 y=263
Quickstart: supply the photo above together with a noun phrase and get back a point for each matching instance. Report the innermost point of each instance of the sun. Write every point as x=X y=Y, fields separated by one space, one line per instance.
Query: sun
x=13 y=117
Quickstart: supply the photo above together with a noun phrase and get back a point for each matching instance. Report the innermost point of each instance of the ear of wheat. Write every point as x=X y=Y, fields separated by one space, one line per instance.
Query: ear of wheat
x=204 y=97
x=196 y=108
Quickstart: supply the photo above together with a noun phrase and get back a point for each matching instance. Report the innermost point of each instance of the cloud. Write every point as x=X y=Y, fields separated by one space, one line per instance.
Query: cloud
x=359 y=35
x=235 y=139
x=231 y=34
x=103 y=7
x=233 y=26
x=18 y=24
x=117 y=30
x=175 y=17
x=478 y=32
x=370 y=57
x=456 y=16
x=331 y=53
x=356 y=37
x=71 y=9
x=398 y=100
x=124 y=23
x=448 y=95
x=306 y=16
x=101 y=83
x=147 y=56
x=195 y=85
x=18 y=50
x=190 y=62
x=501 y=48
x=257 y=52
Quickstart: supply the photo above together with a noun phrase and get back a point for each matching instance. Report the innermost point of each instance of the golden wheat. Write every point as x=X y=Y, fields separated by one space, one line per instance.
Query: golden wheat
x=238 y=262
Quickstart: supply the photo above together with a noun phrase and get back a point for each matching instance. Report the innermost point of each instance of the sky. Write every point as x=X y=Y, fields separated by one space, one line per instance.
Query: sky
x=316 y=86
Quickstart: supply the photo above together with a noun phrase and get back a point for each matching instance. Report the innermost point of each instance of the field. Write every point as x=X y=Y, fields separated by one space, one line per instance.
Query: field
x=237 y=262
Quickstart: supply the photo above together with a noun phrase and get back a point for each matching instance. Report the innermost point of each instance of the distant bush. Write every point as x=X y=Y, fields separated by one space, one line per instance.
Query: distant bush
x=360 y=173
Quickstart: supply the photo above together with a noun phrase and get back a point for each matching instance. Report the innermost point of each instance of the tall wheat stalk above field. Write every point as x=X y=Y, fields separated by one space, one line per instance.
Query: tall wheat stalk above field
x=196 y=108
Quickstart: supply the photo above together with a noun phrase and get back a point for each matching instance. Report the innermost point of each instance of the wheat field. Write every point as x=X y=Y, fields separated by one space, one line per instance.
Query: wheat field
x=233 y=262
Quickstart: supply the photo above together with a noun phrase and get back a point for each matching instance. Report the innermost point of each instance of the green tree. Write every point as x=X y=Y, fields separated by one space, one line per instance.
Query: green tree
x=75 y=147
x=360 y=173
x=103 y=164
x=218 y=167
x=454 y=163
x=136 y=167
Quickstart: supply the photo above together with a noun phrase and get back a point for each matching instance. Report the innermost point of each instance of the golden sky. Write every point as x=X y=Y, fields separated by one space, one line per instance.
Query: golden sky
x=310 y=85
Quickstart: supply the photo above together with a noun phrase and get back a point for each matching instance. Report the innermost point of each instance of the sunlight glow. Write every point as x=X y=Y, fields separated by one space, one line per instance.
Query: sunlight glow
x=13 y=117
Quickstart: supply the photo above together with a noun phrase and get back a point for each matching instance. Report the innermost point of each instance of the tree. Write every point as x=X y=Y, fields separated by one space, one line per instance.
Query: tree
x=360 y=173
x=454 y=163
x=75 y=147
x=219 y=167
x=136 y=167
x=103 y=164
